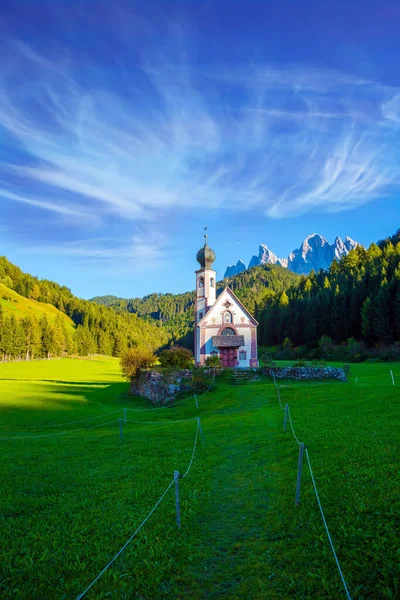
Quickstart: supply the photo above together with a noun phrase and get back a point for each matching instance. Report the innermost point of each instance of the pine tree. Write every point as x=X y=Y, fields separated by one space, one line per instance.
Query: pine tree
x=367 y=320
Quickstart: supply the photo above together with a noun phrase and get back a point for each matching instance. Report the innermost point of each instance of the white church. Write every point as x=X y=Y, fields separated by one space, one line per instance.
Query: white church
x=223 y=326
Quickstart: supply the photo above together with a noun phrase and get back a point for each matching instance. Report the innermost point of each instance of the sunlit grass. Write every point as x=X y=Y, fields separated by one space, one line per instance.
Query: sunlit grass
x=69 y=503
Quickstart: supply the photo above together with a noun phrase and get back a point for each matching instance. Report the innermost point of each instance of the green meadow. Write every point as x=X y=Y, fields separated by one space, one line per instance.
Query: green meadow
x=73 y=492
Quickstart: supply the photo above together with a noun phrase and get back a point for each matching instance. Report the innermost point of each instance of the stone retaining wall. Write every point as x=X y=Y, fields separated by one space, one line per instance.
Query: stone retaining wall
x=306 y=373
x=161 y=387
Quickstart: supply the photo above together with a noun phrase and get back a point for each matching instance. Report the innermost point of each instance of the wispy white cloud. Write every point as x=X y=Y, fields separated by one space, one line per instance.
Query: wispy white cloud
x=137 y=253
x=56 y=207
x=280 y=141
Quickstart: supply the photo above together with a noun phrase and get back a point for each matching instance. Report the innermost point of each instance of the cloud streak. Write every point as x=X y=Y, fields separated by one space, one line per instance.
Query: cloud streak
x=280 y=141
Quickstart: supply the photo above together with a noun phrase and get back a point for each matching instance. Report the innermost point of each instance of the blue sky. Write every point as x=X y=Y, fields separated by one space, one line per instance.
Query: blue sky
x=125 y=128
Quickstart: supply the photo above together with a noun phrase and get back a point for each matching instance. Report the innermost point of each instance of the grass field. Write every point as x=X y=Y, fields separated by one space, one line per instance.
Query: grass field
x=20 y=307
x=69 y=502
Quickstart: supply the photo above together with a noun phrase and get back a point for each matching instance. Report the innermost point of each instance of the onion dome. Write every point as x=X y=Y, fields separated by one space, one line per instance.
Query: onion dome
x=205 y=255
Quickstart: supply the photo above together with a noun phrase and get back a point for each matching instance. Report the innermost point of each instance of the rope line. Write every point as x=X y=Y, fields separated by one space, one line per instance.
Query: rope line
x=326 y=528
x=209 y=387
x=79 y=596
x=63 y=424
x=291 y=427
x=316 y=494
x=194 y=451
x=163 y=422
x=35 y=437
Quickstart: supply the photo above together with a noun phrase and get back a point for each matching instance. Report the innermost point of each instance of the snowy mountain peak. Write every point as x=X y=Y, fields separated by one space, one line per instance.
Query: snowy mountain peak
x=314 y=253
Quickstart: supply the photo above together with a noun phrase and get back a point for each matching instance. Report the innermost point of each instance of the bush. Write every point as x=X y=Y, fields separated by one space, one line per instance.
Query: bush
x=200 y=379
x=318 y=363
x=135 y=359
x=213 y=362
x=269 y=361
x=176 y=357
x=300 y=363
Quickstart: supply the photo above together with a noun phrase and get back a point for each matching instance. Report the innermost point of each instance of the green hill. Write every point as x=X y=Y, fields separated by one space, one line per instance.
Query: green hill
x=254 y=287
x=96 y=329
x=20 y=307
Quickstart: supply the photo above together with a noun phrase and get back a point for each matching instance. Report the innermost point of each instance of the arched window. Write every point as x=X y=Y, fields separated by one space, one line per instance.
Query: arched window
x=212 y=282
x=201 y=282
x=228 y=331
x=227 y=317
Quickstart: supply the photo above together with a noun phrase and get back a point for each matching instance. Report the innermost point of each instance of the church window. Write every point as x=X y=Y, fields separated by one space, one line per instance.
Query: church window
x=200 y=315
x=201 y=282
x=242 y=355
x=228 y=331
x=227 y=317
x=212 y=282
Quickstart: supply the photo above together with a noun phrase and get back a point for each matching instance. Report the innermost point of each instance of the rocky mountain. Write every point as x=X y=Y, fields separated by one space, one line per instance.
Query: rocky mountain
x=315 y=253
x=236 y=269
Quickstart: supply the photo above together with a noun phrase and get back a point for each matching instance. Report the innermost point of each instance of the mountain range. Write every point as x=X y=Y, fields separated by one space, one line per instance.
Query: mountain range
x=315 y=253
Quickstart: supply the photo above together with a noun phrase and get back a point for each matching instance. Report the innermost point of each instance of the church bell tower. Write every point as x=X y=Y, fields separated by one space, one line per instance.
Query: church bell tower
x=205 y=289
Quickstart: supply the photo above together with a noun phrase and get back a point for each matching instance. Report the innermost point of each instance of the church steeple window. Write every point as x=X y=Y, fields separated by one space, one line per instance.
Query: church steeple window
x=201 y=282
x=212 y=282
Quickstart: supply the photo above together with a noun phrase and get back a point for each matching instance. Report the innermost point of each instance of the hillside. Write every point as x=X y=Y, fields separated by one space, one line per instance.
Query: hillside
x=15 y=304
x=253 y=287
x=54 y=313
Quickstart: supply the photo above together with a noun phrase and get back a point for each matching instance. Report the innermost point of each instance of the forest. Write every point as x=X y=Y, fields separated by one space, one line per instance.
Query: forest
x=359 y=297
x=98 y=329
x=254 y=288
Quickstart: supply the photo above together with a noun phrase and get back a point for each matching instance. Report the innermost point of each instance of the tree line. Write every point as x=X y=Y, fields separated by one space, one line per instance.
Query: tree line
x=254 y=288
x=98 y=329
x=358 y=297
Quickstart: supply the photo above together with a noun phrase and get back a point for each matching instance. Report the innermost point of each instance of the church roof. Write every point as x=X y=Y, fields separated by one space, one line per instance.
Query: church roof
x=227 y=341
x=219 y=301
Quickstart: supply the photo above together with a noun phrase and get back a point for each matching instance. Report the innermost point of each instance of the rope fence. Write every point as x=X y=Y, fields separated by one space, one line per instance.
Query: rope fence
x=304 y=450
x=174 y=481
x=63 y=424
x=47 y=435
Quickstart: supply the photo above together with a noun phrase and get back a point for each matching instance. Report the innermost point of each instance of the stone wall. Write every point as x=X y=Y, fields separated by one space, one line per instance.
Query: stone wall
x=306 y=373
x=161 y=387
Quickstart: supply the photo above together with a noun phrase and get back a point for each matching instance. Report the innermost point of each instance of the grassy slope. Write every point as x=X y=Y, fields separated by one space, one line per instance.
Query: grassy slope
x=20 y=307
x=70 y=502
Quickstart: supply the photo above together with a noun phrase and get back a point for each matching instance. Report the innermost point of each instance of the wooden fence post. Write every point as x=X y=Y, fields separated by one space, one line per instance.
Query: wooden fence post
x=200 y=428
x=299 y=469
x=178 y=508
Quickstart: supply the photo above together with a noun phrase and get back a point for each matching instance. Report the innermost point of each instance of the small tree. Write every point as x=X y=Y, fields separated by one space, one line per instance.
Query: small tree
x=134 y=359
x=287 y=343
x=353 y=347
x=326 y=344
x=177 y=356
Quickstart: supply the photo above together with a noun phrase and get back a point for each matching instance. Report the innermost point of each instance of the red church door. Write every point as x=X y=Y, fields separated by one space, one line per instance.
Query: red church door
x=228 y=357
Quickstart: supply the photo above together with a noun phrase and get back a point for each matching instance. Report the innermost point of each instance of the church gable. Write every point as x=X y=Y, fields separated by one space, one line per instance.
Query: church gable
x=227 y=309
